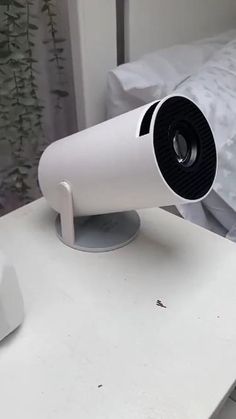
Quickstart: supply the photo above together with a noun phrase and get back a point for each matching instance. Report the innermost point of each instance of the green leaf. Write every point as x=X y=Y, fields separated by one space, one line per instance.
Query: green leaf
x=33 y=26
x=17 y=34
x=15 y=45
x=14 y=65
x=30 y=60
x=4 y=54
x=13 y=171
x=28 y=101
x=17 y=56
x=18 y=4
x=60 y=93
x=44 y=8
x=58 y=50
x=23 y=170
x=59 y=40
x=11 y=15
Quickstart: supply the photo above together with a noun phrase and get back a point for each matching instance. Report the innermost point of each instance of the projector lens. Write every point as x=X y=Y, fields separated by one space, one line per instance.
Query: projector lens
x=181 y=147
x=184 y=144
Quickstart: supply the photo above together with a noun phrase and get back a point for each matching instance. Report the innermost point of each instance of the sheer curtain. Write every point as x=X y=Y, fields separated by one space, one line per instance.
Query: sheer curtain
x=52 y=65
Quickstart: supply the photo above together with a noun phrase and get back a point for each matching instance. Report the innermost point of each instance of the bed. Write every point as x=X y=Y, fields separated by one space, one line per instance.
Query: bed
x=205 y=72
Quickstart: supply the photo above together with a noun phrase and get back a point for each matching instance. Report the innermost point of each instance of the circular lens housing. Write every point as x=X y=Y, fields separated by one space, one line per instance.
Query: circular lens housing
x=184 y=147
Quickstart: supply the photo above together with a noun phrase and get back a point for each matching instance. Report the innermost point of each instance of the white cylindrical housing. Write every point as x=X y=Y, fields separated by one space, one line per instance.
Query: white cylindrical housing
x=116 y=166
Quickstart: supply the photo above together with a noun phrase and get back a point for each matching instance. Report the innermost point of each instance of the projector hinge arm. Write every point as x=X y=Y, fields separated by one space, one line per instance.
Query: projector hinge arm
x=67 y=213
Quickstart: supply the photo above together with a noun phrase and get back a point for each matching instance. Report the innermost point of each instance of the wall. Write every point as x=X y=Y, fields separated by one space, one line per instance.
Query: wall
x=153 y=24
x=93 y=40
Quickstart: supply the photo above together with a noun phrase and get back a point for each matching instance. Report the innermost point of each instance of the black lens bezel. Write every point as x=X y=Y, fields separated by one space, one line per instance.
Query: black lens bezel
x=190 y=181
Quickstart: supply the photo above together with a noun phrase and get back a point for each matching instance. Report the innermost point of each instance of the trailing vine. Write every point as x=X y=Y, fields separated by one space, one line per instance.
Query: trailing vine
x=19 y=99
x=56 y=48
x=21 y=109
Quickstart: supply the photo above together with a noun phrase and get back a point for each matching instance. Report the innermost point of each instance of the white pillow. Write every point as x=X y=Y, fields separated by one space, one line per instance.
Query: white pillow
x=213 y=88
x=155 y=75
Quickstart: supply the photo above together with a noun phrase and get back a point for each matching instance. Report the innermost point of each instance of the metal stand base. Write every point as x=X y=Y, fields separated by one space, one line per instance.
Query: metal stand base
x=102 y=233
x=97 y=233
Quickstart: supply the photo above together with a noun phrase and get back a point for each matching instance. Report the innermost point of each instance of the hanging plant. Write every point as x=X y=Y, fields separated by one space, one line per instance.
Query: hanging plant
x=21 y=109
x=55 y=48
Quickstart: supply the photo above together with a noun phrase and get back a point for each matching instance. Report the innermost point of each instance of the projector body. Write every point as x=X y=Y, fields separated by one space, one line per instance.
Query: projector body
x=160 y=154
x=109 y=167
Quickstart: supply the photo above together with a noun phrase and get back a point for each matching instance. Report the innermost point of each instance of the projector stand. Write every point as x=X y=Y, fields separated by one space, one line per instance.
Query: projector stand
x=97 y=233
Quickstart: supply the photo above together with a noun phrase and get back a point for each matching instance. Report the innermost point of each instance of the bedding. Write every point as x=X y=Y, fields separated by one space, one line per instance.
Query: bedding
x=213 y=88
x=157 y=74
x=184 y=68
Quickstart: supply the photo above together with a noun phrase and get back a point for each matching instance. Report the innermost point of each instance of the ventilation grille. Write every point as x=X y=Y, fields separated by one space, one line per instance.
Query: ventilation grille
x=188 y=182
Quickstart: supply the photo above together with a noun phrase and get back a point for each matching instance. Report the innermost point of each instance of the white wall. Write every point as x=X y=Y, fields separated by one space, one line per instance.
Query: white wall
x=93 y=41
x=153 y=24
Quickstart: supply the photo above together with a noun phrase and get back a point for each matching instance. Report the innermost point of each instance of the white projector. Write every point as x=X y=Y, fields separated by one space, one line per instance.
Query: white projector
x=160 y=154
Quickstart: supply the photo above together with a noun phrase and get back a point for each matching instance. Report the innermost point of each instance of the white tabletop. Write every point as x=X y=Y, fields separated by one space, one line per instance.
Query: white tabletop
x=95 y=345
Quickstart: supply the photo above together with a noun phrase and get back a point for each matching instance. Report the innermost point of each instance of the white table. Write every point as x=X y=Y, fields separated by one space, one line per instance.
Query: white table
x=95 y=345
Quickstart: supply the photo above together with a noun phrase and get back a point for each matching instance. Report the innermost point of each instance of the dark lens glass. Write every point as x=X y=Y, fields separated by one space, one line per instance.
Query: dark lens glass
x=184 y=144
x=180 y=146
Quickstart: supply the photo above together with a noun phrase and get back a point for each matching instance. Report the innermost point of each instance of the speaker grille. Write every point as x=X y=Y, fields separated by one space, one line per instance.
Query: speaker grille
x=191 y=181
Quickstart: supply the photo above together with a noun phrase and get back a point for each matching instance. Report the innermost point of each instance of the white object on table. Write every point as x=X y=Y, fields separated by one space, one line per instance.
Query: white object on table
x=11 y=302
x=98 y=341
